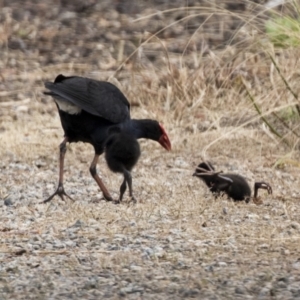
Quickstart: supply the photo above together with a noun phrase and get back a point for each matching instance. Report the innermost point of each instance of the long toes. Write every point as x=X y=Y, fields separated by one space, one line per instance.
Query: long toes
x=48 y=199
x=65 y=194
x=62 y=193
x=59 y=192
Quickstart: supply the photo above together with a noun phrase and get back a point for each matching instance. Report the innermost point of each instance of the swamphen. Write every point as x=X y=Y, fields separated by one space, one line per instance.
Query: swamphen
x=234 y=185
x=122 y=152
x=88 y=108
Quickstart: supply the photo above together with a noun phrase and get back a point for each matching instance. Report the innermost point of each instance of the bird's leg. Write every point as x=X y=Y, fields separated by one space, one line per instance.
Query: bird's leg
x=261 y=185
x=93 y=172
x=128 y=178
x=122 y=189
x=60 y=189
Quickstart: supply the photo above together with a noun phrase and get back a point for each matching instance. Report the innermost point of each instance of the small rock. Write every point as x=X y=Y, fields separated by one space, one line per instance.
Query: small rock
x=16 y=43
x=286 y=252
x=296 y=265
x=40 y=163
x=251 y=216
x=263 y=246
x=8 y=202
x=209 y=269
x=189 y=293
x=36 y=247
x=222 y=264
x=265 y=291
x=70 y=244
x=173 y=286
x=78 y=223
x=282 y=284
x=129 y=290
x=68 y=15
x=136 y=268
x=169 y=239
x=159 y=251
x=89 y=285
x=148 y=251
x=295 y=225
x=58 y=245
x=240 y=290
x=283 y=279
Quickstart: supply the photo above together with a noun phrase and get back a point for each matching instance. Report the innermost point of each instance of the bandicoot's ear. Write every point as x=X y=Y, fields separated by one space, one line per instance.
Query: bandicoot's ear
x=206 y=165
x=225 y=178
x=202 y=170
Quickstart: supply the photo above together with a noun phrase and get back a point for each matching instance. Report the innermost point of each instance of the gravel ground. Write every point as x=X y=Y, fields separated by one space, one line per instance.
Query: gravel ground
x=178 y=241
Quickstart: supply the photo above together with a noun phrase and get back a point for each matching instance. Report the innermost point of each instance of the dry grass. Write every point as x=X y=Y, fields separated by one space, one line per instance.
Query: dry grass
x=197 y=242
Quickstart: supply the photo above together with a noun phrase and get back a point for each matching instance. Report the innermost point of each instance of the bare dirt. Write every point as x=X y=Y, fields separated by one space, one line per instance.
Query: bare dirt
x=178 y=241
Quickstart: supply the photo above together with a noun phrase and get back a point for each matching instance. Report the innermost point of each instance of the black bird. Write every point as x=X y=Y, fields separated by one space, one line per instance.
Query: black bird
x=122 y=152
x=234 y=185
x=87 y=109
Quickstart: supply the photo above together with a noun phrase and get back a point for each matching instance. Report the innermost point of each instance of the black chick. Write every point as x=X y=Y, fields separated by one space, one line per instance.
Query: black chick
x=234 y=185
x=122 y=152
x=88 y=109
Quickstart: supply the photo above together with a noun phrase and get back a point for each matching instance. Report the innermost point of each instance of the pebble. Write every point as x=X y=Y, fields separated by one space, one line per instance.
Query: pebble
x=70 y=244
x=296 y=265
x=77 y=224
x=240 y=290
x=222 y=264
x=136 y=268
x=158 y=251
x=295 y=225
x=264 y=292
x=130 y=290
x=58 y=245
x=8 y=202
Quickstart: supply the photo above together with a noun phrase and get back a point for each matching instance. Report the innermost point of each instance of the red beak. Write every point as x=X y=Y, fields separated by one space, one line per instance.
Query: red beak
x=164 y=139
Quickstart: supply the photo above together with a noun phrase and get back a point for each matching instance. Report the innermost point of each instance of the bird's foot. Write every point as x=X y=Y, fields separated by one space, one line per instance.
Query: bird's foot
x=59 y=192
x=107 y=198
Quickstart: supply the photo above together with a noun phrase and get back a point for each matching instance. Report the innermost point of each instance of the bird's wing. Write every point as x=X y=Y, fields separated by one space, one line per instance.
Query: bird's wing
x=98 y=98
